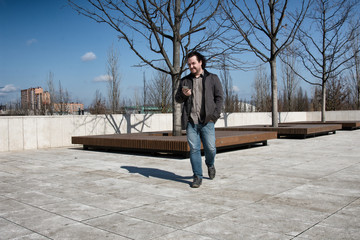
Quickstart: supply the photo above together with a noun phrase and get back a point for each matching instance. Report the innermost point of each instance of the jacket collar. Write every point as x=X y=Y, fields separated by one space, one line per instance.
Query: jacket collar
x=204 y=74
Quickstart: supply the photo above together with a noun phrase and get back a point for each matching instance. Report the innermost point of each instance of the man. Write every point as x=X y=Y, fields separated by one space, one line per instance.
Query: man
x=202 y=95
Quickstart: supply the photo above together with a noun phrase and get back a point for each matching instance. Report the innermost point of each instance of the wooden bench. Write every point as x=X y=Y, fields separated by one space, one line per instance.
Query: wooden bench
x=156 y=142
x=289 y=130
x=345 y=125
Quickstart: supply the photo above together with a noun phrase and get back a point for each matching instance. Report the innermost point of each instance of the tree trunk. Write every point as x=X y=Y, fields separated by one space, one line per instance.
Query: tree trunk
x=274 y=91
x=176 y=76
x=357 y=79
x=323 y=102
x=176 y=108
x=272 y=61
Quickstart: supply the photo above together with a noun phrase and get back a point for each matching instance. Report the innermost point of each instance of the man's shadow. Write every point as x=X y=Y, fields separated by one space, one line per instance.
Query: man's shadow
x=157 y=173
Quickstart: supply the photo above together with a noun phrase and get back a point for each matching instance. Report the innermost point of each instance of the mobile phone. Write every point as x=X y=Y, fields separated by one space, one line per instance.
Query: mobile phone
x=185 y=87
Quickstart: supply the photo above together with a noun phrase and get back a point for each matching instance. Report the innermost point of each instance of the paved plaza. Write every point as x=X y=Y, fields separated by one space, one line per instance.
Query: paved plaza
x=290 y=189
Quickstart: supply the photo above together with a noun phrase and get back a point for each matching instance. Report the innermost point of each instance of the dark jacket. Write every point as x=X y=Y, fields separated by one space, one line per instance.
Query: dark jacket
x=212 y=97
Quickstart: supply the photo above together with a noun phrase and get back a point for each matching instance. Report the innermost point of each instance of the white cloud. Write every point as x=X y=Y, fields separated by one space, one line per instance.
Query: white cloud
x=89 y=56
x=31 y=41
x=102 y=78
x=9 y=88
x=236 y=89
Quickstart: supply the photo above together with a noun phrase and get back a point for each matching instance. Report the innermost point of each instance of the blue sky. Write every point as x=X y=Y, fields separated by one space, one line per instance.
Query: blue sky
x=42 y=36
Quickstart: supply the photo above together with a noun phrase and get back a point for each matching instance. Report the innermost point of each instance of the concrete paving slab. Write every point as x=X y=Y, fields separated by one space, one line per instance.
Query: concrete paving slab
x=132 y=228
x=329 y=233
x=34 y=198
x=177 y=214
x=290 y=189
x=11 y=230
x=83 y=231
x=184 y=236
x=110 y=203
x=271 y=218
x=39 y=221
x=230 y=231
x=75 y=211
x=306 y=198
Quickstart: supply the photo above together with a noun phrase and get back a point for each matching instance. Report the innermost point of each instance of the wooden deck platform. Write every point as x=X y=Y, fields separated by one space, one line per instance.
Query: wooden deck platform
x=289 y=130
x=345 y=125
x=164 y=141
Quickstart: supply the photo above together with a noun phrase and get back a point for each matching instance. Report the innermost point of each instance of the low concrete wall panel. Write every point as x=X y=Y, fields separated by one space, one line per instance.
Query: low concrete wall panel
x=44 y=132
x=313 y=116
x=4 y=134
x=119 y=123
x=340 y=115
x=56 y=127
x=16 y=134
x=67 y=128
x=35 y=132
x=30 y=132
x=78 y=128
x=292 y=117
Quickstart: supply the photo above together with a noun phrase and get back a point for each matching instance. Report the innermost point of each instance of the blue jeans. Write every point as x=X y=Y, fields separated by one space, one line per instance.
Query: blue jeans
x=197 y=134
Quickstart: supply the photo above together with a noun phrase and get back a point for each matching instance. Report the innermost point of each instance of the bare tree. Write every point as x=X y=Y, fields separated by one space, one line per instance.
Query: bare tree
x=168 y=27
x=137 y=100
x=326 y=42
x=227 y=84
x=145 y=102
x=159 y=92
x=289 y=78
x=316 y=98
x=354 y=72
x=261 y=96
x=62 y=100
x=337 y=94
x=98 y=105
x=52 y=91
x=114 y=79
x=59 y=98
x=268 y=27
x=301 y=102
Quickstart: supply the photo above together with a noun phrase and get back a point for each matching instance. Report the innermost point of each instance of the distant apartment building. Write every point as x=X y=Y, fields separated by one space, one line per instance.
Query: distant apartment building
x=37 y=99
x=34 y=98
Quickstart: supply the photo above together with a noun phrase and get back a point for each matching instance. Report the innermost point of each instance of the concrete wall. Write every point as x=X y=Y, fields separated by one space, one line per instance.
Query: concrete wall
x=36 y=132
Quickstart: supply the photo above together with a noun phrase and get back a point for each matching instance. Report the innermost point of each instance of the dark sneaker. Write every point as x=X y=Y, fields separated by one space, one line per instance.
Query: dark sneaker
x=211 y=172
x=197 y=182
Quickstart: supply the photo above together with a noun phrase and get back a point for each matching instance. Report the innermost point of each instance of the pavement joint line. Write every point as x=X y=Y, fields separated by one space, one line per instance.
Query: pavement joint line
x=146 y=220
x=338 y=170
x=331 y=214
x=24 y=227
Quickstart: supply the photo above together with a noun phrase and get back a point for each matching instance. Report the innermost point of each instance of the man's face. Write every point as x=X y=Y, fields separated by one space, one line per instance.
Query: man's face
x=195 y=66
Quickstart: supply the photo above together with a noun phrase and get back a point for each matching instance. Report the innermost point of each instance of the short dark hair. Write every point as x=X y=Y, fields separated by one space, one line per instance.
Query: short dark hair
x=199 y=57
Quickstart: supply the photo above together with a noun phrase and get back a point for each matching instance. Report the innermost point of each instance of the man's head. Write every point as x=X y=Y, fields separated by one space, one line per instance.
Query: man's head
x=196 y=63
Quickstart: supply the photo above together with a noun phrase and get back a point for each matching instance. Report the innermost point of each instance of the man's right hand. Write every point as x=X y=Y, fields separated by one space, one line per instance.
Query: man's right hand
x=186 y=91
